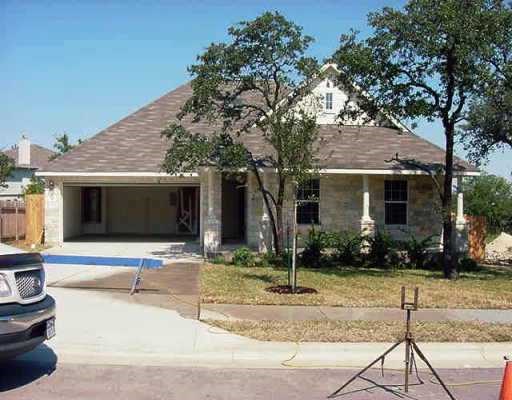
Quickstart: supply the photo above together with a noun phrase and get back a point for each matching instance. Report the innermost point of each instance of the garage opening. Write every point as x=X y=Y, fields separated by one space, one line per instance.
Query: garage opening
x=166 y=211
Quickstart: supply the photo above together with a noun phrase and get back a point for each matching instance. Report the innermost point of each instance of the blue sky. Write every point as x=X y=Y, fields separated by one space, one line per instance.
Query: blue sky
x=79 y=66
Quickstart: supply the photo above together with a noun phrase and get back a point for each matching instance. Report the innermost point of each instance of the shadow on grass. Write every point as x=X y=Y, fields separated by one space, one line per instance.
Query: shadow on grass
x=266 y=278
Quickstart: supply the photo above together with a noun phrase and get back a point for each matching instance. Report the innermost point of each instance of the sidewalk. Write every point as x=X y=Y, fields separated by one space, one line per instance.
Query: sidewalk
x=304 y=313
x=94 y=327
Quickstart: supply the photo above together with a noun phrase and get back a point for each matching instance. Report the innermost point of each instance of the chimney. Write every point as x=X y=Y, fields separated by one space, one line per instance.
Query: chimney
x=24 y=151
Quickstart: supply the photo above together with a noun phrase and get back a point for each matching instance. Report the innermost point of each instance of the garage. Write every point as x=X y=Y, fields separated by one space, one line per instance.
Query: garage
x=130 y=210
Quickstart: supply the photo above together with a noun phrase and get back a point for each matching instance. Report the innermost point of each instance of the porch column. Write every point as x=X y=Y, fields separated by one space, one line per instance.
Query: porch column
x=367 y=223
x=265 y=233
x=54 y=212
x=212 y=224
x=461 y=234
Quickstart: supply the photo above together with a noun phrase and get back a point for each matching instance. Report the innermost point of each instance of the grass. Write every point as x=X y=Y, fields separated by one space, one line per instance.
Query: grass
x=489 y=288
x=366 y=331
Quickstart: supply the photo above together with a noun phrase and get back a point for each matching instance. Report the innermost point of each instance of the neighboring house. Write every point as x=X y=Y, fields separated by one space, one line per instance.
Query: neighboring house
x=27 y=159
x=113 y=183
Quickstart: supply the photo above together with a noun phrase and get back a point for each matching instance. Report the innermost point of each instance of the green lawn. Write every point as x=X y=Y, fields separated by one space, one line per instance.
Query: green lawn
x=351 y=287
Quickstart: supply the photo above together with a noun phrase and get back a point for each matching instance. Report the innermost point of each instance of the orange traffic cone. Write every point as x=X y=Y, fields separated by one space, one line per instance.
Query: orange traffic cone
x=506 y=386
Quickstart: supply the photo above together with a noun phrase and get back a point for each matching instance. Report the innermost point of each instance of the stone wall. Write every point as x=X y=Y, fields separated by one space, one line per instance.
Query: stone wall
x=341 y=207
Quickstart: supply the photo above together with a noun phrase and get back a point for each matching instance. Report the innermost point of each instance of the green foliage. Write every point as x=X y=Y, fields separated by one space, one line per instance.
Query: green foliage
x=467 y=264
x=427 y=60
x=6 y=167
x=417 y=250
x=314 y=248
x=62 y=145
x=347 y=248
x=489 y=123
x=247 y=89
x=218 y=260
x=36 y=186
x=490 y=196
x=244 y=257
x=382 y=250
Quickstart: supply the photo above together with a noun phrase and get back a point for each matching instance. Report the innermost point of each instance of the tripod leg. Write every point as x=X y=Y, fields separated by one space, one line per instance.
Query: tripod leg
x=365 y=369
x=422 y=356
x=407 y=362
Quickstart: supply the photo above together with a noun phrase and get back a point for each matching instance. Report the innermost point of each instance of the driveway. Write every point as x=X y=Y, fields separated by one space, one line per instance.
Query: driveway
x=167 y=249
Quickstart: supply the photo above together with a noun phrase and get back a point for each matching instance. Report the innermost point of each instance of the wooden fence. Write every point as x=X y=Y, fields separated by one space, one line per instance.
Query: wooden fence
x=34 y=204
x=477 y=230
x=12 y=220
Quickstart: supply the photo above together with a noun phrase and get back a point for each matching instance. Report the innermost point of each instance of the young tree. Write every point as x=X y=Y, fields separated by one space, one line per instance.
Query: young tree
x=6 y=166
x=425 y=61
x=249 y=89
x=62 y=145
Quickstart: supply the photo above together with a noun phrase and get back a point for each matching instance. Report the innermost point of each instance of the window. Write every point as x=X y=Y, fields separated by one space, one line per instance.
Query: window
x=308 y=200
x=328 y=101
x=395 y=199
x=91 y=204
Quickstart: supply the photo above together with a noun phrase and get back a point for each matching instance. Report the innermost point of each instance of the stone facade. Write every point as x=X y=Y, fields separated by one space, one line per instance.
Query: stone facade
x=341 y=207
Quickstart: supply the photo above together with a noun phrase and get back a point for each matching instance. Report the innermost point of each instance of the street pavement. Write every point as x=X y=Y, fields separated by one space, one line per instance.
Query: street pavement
x=36 y=376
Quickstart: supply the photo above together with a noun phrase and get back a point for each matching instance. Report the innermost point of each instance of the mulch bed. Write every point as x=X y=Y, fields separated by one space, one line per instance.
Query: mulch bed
x=287 y=289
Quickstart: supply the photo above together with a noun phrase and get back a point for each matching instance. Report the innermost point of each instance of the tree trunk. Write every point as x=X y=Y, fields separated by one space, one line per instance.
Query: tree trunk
x=265 y=195
x=449 y=258
x=279 y=214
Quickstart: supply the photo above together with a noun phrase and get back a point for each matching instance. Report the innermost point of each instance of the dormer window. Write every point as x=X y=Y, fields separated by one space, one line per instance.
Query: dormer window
x=328 y=101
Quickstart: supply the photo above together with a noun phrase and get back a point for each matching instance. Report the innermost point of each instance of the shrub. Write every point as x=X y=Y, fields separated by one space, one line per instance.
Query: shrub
x=418 y=250
x=316 y=244
x=243 y=257
x=347 y=248
x=270 y=259
x=467 y=264
x=382 y=250
x=218 y=259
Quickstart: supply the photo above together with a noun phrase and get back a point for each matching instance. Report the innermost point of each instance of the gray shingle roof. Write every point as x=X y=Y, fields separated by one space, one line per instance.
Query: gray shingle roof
x=134 y=144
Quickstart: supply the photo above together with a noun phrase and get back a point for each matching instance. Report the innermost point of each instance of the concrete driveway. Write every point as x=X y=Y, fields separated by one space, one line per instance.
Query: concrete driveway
x=167 y=249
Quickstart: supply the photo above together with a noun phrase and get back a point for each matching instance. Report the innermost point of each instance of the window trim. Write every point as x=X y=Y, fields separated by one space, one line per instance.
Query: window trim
x=406 y=202
x=317 y=200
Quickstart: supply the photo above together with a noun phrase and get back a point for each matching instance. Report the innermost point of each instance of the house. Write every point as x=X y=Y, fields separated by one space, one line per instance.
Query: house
x=27 y=159
x=113 y=184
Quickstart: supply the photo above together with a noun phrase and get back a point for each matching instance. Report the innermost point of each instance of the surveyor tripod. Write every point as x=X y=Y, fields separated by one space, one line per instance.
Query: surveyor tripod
x=411 y=350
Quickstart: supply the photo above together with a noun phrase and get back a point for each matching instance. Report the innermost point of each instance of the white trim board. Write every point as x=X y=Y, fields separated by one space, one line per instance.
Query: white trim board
x=347 y=171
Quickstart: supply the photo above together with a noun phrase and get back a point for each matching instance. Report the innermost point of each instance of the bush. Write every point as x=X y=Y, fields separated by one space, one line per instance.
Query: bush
x=316 y=244
x=418 y=251
x=467 y=264
x=270 y=259
x=218 y=260
x=243 y=257
x=382 y=250
x=347 y=248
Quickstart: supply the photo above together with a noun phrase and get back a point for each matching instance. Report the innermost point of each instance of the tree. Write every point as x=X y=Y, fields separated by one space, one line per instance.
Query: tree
x=62 y=145
x=489 y=124
x=425 y=61
x=6 y=167
x=490 y=196
x=250 y=88
x=36 y=186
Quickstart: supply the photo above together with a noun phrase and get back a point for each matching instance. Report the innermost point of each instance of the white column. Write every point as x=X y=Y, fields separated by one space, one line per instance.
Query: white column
x=460 y=202
x=367 y=223
x=461 y=234
x=212 y=225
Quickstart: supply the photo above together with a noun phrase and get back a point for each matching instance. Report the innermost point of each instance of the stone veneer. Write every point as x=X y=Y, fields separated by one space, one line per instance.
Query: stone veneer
x=341 y=206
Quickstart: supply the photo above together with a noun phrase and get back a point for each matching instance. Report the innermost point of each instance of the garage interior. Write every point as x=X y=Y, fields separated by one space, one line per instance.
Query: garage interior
x=158 y=211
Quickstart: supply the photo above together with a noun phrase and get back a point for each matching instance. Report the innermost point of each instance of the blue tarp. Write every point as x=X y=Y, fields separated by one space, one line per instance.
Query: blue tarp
x=107 y=261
